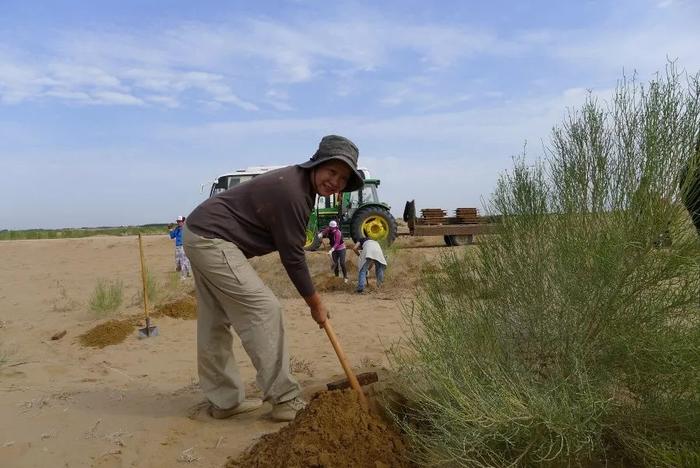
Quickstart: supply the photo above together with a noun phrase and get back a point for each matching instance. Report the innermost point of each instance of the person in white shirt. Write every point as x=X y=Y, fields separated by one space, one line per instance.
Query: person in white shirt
x=370 y=253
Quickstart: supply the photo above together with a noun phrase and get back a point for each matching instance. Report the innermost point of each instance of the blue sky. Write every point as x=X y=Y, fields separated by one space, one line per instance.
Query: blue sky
x=116 y=113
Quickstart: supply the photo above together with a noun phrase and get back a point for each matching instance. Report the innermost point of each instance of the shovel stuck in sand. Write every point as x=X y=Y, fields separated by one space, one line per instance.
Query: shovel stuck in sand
x=149 y=330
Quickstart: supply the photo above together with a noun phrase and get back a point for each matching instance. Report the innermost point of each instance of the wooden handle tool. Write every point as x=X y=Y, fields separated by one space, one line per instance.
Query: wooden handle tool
x=344 y=362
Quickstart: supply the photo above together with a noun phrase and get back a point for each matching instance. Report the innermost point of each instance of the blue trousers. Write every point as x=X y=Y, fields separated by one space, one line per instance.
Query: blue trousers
x=379 y=269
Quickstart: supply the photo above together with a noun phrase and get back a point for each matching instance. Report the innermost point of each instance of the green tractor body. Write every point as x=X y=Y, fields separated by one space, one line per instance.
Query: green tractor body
x=359 y=214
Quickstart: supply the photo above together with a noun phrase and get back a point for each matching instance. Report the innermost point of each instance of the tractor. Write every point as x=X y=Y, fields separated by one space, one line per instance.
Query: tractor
x=359 y=213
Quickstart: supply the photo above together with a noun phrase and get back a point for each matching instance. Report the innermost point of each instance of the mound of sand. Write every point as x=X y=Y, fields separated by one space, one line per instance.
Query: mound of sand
x=108 y=333
x=327 y=283
x=332 y=431
x=184 y=308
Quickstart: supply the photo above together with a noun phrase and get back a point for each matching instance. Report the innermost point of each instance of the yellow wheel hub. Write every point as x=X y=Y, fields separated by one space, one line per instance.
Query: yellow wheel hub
x=375 y=227
x=309 y=239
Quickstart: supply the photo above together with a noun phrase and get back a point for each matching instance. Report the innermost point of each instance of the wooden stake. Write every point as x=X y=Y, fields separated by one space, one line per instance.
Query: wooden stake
x=145 y=288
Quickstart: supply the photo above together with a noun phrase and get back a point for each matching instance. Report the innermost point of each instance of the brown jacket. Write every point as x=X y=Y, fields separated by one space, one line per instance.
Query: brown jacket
x=260 y=216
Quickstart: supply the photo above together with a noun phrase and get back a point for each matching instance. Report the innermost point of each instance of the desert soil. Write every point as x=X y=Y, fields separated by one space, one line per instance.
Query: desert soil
x=136 y=403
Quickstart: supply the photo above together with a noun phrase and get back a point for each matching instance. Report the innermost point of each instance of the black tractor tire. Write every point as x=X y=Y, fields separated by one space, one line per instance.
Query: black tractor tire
x=456 y=241
x=315 y=244
x=363 y=214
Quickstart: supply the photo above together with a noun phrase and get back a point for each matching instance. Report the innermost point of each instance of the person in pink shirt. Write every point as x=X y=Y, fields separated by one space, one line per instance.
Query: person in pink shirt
x=337 y=248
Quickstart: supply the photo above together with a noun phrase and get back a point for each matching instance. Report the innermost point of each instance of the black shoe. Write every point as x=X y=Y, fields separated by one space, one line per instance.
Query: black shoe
x=359 y=291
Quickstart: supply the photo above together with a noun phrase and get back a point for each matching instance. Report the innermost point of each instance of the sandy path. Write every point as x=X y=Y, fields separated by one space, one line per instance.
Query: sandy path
x=127 y=405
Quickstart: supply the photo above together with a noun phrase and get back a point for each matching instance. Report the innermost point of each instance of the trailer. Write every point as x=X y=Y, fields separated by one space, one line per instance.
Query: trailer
x=455 y=230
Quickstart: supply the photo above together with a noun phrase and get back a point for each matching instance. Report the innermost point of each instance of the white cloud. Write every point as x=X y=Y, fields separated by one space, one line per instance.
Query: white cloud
x=209 y=59
x=166 y=101
x=18 y=82
x=640 y=42
x=422 y=100
x=278 y=100
x=71 y=75
x=113 y=97
x=69 y=95
x=194 y=61
x=442 y=46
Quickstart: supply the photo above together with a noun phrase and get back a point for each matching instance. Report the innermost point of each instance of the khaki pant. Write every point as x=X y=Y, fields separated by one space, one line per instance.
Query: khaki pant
x=230 y=293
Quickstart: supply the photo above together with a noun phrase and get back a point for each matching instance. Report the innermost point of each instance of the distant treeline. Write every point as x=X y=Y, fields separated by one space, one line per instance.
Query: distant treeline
x=69 y=233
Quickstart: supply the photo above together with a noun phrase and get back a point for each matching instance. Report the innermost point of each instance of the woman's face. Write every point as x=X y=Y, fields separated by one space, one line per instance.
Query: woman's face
x=331 y=177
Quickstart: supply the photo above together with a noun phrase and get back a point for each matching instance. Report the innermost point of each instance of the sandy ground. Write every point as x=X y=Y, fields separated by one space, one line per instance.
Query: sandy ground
x=131 y=404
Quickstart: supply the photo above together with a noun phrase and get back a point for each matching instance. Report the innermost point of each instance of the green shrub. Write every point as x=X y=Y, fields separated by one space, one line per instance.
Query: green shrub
x=174 y=281
x=153 y=289
x=570 y=337
x=106 y=297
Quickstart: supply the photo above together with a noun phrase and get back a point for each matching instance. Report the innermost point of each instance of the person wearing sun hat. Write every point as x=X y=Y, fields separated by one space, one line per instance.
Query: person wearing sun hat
x=182 y=264
x=266 y=214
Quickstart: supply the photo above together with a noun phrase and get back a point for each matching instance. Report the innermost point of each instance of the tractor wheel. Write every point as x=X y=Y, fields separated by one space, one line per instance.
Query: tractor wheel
x=455 y=241
x=375 y=223
x=312 y=242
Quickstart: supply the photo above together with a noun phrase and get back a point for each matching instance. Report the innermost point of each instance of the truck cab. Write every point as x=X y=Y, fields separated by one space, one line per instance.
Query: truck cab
x=231 y=179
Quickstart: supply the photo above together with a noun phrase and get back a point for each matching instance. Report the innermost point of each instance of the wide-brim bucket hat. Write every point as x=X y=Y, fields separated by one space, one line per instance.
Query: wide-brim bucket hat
x=342 y=149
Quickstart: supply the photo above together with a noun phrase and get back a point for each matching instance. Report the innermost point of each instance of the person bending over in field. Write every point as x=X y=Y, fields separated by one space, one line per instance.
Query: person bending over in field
x=266 y=214
x=371 y=254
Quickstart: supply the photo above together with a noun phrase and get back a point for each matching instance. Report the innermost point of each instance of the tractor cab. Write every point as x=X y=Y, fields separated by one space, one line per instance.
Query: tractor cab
x=368 y=194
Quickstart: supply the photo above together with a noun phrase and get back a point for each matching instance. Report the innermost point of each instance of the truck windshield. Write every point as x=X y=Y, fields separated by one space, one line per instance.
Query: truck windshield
x=227 y=182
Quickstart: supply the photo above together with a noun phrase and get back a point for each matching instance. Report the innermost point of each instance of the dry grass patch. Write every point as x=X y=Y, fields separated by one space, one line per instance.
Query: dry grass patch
x=300 y=366
x=106 y=297
x=63 y=302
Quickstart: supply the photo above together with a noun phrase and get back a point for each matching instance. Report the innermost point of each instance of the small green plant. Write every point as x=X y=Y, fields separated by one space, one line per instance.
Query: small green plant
x=153 y=289
x=174 y=282
x=106 y=297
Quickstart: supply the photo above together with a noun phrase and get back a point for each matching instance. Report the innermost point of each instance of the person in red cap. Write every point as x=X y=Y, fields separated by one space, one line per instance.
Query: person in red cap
x=266 y=214
x=182 y=264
